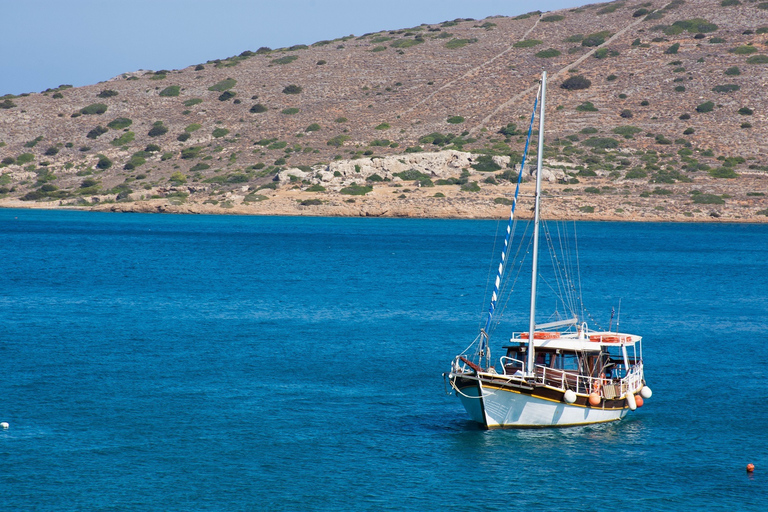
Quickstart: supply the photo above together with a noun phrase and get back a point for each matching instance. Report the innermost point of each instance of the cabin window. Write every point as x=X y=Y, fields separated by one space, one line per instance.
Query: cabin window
x=567 y=362
x=544 y=359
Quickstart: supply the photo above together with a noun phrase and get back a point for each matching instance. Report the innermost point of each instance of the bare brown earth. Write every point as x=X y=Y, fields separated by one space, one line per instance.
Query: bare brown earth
x=638 y=144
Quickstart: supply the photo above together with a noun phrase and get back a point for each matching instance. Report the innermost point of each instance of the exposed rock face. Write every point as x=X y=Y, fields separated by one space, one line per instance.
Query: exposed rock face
x=441 y=164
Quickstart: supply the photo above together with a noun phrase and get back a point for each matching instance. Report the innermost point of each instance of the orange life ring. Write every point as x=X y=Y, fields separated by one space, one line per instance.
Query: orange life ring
x=599 y=338
x=541 y=335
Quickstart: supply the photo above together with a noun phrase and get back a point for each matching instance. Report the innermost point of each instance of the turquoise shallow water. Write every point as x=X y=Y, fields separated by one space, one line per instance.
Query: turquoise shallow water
x=246 y=363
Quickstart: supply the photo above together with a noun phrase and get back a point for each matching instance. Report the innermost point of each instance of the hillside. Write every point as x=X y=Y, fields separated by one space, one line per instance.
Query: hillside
x=656 y=110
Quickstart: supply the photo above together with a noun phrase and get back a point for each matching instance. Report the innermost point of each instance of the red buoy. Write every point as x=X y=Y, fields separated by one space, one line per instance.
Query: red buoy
x=639 y=400
x=750 y=467
x=594 y=399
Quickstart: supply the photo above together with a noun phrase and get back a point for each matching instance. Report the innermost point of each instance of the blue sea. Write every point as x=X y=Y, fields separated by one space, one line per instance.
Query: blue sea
x=224 y=363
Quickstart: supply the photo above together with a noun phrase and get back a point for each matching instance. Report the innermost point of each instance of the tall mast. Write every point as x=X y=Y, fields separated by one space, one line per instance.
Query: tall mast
x=535 y=267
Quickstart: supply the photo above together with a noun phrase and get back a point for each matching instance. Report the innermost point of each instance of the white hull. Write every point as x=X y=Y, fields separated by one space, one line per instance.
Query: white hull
x=499 y=408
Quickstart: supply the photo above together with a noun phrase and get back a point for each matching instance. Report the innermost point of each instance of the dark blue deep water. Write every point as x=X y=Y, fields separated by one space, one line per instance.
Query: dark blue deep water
x=227 y=363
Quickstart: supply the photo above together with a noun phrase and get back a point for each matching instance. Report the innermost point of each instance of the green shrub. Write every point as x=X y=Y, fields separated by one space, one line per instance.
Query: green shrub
x=672 y=50
x=455 y=120
x=603 y=53
x=406 y=43
x=284 y=60
x=227 y=95
x=726 y=88
x=601 y=142
x=177 y=178
x=743 y=50
x=312 y=128
x=258 y=108
x=190 y=152
x=728 y=3
x=527 y=43
x=576 y=82
x=470 y=186
x=219 y=132
x=595 y=39
x=636 y=173
x=337 y=141
x=170 y=91
x=411 y=175
x=124 y=139
x=485 y=163
x=692 y=26
x=626 y=131
x=24 y=158
x=120 y=123
x=355 y=190
x=708 y=199
x=626 y=114
x=290 y=111
x=199 y=167
x=340 y=120
x=292 y=89
x=733 y=71
x=183 y=137
x=96 y=132
x=94 y=109
x=758 y=59
x=7 y=103
x=315 y=188
x=587 y=106
x=383 y=126
x=723 y=172
x=707 y=106
x=746 y=111
x=548 y=53
x=552 y=18
x=716 y=40
x=223 y=85
x=458 y=43
x=158 y=129
x=107 y=93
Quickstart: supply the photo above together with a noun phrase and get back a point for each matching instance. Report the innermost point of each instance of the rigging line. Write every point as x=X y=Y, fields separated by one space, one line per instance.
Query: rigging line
x=558 y=268
x=578 y=265
x=506 y=249
x=567 y=265
x=511 y=283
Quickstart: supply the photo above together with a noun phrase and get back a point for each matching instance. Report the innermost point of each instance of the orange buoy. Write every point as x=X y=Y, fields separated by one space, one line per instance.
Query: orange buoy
x=639 y=400
x=594 y=399
x=750 y=467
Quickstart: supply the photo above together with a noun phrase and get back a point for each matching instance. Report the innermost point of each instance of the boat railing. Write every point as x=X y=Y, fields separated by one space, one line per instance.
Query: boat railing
x=585 y=384
x=511 y=365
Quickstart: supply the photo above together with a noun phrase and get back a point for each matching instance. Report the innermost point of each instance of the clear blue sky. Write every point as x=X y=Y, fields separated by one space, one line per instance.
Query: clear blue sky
x=45 y=43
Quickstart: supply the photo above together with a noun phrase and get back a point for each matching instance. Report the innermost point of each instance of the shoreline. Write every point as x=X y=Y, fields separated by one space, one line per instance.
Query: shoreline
x=284 y=205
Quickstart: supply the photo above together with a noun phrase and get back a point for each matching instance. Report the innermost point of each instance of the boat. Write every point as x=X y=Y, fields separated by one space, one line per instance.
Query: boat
x=555 y=373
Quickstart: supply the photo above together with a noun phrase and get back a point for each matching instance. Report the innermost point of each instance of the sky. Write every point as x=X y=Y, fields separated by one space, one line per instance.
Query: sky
x=47 y=43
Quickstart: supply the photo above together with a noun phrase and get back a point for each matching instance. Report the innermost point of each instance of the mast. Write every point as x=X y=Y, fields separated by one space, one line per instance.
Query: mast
x=535 y=266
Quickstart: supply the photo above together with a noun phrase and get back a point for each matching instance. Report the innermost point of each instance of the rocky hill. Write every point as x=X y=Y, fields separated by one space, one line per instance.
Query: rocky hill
x=655 y=110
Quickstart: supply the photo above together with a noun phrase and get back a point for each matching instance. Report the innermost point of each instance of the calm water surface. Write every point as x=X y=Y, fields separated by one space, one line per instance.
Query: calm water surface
x=249 y=363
